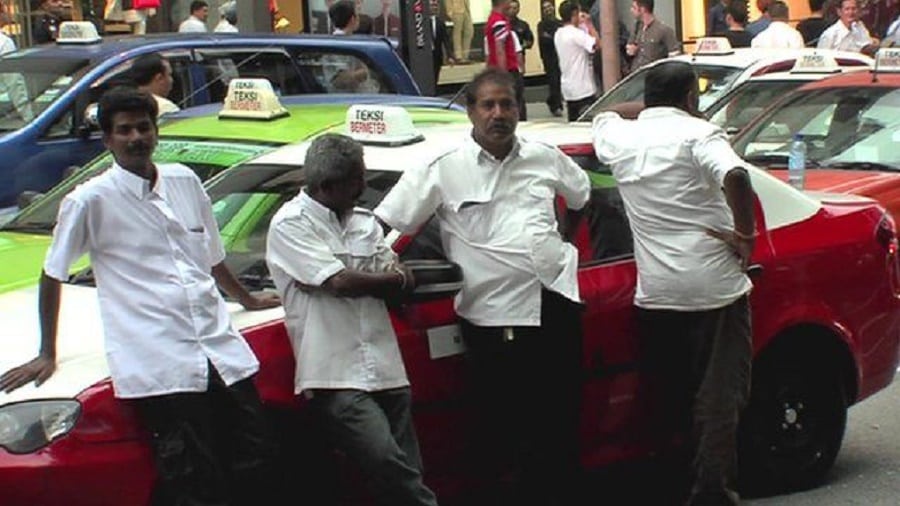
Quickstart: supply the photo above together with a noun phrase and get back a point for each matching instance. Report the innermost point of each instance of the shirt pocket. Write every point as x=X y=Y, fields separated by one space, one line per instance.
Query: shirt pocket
x=362 y=255
x=197 y=241
x=476 y=220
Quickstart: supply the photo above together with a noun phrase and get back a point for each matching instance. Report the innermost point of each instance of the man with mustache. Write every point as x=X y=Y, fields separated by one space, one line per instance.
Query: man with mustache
x=334 y=270
x=494 y=196
x=172 y=351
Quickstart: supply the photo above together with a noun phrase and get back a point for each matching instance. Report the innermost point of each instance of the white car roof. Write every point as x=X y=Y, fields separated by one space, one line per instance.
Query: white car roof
x=746 y=57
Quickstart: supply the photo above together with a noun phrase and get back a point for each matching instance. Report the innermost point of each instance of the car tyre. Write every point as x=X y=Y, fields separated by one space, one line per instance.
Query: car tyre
x=793 y=427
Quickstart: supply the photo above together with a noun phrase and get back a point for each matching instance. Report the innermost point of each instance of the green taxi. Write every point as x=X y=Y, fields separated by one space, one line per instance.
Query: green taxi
x=208 y=144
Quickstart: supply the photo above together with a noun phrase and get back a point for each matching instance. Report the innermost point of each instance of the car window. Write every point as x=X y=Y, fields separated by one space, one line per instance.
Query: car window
x=217 y=67
x=28 y=86
x=335 y=72
x=741 y=106
x=604 y=234
x=838 y=124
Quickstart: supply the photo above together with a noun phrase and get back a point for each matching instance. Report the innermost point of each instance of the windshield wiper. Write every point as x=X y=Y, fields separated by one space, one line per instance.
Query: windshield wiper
x=860 y=165
x=29 y=228
x=778 y=158
x=255 y=282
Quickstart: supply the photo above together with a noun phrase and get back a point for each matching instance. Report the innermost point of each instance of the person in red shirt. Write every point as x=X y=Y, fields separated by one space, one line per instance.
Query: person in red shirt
x=500 y=47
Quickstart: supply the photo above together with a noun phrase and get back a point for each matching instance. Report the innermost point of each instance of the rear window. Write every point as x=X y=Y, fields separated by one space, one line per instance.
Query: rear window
x=28 y=86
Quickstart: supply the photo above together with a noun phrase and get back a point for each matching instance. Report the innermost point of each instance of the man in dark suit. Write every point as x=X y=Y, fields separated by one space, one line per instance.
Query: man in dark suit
x=387 y=23
x=440 y=40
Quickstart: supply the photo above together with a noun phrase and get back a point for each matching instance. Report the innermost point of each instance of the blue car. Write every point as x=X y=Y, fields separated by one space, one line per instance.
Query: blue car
x=45 y=91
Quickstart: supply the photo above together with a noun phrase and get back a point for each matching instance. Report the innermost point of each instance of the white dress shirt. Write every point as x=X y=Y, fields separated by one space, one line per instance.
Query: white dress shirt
x=192 y=25
x=7 y=45
x=498 y=222
x=574 y=48
x=670 y=168
x=152 y=251
x=225 y=27
x=779 y=35
x=339 y=342
x=838 y=36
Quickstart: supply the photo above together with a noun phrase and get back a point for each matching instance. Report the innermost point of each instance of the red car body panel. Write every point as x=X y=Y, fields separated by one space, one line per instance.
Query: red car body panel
x=827 y=272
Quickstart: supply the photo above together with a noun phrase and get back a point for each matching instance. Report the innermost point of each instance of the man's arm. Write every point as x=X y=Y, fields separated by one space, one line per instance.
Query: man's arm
x=41 y=368
x=231 y=286
x=739 y=194
x=382 y=285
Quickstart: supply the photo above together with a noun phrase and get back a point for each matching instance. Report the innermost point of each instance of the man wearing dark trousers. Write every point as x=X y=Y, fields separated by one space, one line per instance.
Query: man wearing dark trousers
x=494 y=197
x=172 y=350
x=546 y=29
x=575 y=48
x=440 y=39
x=690 y=206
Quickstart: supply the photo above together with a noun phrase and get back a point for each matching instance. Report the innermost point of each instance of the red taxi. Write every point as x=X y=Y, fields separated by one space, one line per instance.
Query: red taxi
x=851 y=126
x=825 y=337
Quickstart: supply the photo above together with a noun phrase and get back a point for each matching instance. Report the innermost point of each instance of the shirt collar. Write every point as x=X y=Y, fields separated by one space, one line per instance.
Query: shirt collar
x=134 y=184
x=479 y=153
x=318 y=210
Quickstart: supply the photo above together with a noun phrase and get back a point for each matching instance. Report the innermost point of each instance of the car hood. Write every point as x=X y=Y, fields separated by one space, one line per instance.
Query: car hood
x=858 y=182
x=21 y=259
x=81 y=358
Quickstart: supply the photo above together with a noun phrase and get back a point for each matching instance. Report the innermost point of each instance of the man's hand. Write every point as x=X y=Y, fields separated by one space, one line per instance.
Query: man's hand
x=409 y=280
x=259 y=301
x=38 y=370
x=742 y=244
x=631 y=49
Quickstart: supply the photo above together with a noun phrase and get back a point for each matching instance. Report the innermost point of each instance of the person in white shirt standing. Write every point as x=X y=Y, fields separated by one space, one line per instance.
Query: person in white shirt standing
x=172 y=351
x=196 y=22
x=575 y=48
x=494 y=196
x=228 y=18
x=848 y=33
x=334 y=271
x=153 y=73
x=690 y=205
x=779 y=34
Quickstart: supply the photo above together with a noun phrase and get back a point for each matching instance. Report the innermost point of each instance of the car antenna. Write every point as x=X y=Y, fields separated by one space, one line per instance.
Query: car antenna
x=458 y=93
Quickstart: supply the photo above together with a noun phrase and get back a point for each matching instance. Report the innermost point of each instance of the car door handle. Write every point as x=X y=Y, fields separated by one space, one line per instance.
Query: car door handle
x=754 y=270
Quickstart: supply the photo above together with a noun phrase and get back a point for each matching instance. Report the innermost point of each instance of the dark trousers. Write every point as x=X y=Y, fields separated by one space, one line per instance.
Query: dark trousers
x=574 y=108
x=211 y=448
x=526 y=388
x=520 y=94
x=699 y=366
x=554 y=97
x=375 y=430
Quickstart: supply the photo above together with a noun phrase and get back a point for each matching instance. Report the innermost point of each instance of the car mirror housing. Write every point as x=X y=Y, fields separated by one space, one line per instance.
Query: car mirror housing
x=26 y=198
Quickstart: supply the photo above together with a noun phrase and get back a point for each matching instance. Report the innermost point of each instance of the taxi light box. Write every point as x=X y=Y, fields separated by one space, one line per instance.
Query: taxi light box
x=251 y=99
x=381 y=125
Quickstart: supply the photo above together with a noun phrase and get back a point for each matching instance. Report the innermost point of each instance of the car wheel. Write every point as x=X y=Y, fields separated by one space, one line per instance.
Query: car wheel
x=792 y=429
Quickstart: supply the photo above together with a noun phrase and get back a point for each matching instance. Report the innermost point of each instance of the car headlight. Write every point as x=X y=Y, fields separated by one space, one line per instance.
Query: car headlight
x=29 y=426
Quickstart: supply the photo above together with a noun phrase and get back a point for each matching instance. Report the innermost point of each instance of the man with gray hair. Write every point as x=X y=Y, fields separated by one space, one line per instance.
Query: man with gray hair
x=330 y=262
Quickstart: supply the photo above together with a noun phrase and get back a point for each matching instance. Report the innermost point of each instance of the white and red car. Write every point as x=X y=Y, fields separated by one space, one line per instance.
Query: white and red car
x=825 y=337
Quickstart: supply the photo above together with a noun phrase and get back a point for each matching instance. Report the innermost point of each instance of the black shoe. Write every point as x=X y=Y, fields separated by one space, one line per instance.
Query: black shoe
x=556 y=112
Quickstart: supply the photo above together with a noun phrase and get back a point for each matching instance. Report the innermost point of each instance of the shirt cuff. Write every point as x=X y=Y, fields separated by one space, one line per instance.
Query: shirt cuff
x=326 y=272
x=56 y=272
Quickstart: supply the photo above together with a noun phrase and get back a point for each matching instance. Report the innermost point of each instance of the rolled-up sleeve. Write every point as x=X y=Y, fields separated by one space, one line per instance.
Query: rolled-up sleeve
x=572 y=182
x=216 y=249
x=70 y=238
x=716 y=157
x=412 y=201
x=294 y=247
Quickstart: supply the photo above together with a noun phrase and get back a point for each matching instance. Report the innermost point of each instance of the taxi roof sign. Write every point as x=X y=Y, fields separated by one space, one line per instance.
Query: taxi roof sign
x=251 y=98
x=713 y=46
x=815 y=63
x=77 y=32
x=381 y=125
x=887 y=59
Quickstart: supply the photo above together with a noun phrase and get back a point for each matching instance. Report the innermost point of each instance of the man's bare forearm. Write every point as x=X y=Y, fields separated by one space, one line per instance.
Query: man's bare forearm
x=739 y=194
x=48 y=307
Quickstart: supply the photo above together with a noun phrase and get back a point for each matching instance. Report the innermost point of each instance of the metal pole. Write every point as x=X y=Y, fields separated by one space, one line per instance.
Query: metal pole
x=609 y=43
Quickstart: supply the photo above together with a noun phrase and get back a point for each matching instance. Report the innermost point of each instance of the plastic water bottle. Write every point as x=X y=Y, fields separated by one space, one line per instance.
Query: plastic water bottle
x=797 y=162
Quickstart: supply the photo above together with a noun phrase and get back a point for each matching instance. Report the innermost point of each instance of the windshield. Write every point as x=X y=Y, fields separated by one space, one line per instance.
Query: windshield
x=245 y=199
x=28 y=86
x=206 y=159
x=737 y=109
x=843 y=127
x=715 y=81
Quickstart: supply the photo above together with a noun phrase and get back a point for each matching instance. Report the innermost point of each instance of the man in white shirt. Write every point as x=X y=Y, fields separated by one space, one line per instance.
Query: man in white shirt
x=228 y=18
x=334 y=271
x=574 y=48
x=172 y=351
x=196 y=22
x=779 y=34
x=848 y=33
x=494 y=197
x=690 y=206
x=153 y=73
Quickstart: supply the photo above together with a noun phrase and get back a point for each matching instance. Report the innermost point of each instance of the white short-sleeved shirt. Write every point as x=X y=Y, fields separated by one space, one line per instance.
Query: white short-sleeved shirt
x=838 y=36
x=165 y=105
x=152 y=252
x=670 y=167
x=225 y=27
x=777 y=36
x=574 y=48
x=192 y=25
x=498 y=222
x=339 y=342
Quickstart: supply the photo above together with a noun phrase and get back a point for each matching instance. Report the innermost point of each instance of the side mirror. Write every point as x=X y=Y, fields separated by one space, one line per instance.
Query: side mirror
x=435 y=279
x=90 y=123
x=70 y=171
x=26 y=198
